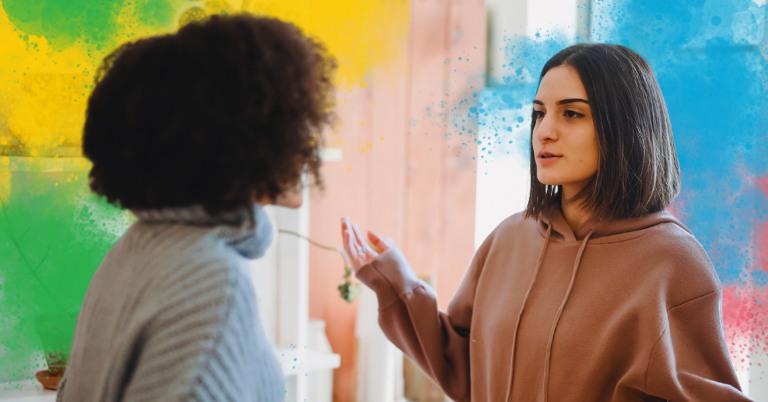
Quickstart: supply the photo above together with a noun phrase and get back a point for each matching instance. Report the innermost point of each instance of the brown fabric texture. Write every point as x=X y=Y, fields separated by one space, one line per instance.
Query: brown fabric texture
x=620 y=310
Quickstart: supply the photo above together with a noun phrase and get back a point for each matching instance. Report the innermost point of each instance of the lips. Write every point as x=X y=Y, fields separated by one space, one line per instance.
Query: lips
x=546 y=158
x=547 y=155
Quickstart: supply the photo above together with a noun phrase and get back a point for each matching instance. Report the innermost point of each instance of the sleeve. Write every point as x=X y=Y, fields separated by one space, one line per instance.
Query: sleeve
x=206 y=345
x=408 y=315
x=690 y=360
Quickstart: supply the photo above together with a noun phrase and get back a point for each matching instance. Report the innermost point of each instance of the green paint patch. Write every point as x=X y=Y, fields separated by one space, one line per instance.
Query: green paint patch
x=53 y=234
x=64 y=22
x=155 y=14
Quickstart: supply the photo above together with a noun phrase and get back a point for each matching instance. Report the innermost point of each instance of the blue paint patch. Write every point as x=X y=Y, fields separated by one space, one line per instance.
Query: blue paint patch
x=711 y=72
x=707 y=59
x=759 y=278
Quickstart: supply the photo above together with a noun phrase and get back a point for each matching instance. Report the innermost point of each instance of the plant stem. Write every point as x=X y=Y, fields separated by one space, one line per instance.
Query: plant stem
x=314 y=243
x=347 y=290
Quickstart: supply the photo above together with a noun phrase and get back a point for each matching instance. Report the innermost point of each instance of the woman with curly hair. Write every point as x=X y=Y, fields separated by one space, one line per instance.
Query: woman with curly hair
x=194 y=132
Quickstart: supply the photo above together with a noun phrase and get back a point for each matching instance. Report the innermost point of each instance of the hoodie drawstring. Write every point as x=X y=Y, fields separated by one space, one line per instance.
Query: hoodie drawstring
x=560 y=312
x=520 y=314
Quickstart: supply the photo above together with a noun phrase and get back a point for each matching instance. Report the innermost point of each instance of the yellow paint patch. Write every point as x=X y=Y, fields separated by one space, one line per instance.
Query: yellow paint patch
x=365 y=146
x=361 y=34
x=5 y=181
x=44 y=87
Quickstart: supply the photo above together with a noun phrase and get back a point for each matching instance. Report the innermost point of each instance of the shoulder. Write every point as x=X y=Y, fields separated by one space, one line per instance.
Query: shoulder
x=513 y=233
x=516 y=221
x=514 y=225
x=684 y=266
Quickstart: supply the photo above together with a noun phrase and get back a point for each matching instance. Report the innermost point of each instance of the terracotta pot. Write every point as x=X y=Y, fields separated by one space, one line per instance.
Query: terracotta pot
x=50 y=378
x=55 y=331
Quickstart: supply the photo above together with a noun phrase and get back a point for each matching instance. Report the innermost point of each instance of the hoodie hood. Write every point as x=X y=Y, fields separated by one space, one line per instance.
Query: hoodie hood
x=602 y=231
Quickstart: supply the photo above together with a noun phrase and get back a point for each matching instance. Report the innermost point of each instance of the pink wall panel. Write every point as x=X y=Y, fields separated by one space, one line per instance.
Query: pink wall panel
x=410 y=185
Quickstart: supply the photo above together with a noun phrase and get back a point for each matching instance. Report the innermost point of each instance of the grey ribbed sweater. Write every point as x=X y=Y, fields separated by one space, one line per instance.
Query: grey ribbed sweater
x=171 y=315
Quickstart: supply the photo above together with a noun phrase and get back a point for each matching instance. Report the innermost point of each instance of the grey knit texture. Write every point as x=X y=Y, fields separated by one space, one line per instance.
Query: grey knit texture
x=171 y=315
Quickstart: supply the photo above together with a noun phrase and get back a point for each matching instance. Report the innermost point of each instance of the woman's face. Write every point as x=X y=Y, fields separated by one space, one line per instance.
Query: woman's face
x=564 y=139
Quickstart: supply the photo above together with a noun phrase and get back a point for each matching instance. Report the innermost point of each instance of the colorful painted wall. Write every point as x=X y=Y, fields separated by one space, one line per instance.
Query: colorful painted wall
x=406 y=173
x=711 y=60
x=53 y=232
x=410 y=105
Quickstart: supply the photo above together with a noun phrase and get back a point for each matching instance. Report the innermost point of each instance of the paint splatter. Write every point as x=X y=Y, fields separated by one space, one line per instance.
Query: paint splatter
x=52 y=238
x=52 y=48
x=711 y=69
x=53 y=232
x=712 y=66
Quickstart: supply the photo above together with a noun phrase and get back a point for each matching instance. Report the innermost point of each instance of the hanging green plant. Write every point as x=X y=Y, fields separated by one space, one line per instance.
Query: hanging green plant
x=347 y=289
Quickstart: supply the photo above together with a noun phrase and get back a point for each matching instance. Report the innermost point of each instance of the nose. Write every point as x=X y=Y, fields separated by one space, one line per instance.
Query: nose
x=545 y=129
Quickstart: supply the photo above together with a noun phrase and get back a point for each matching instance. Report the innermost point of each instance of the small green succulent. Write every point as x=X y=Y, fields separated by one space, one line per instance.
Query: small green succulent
x=348 y=290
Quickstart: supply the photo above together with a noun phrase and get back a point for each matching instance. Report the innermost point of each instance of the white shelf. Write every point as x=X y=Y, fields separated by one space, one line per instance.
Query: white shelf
x=26 y=391
x=301 y=362
x=305 y=362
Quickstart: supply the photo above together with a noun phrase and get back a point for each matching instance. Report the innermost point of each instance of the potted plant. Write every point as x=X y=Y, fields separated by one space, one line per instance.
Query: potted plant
x=53 y=235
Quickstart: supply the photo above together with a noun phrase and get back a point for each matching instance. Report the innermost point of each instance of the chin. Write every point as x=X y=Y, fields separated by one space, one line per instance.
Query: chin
x=544 y=179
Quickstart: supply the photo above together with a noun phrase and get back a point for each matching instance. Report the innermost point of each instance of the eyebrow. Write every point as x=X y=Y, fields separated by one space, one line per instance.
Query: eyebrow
x=563 y=102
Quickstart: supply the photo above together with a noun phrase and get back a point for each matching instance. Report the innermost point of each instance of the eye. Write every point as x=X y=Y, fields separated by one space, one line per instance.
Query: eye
x=537 y=114
x=572 y=114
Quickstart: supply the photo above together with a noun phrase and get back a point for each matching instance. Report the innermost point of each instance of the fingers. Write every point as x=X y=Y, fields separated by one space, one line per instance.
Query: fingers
x=369 y=253
x=356 y=248
x=380 y=242
x=346 y=234
x=349 y=241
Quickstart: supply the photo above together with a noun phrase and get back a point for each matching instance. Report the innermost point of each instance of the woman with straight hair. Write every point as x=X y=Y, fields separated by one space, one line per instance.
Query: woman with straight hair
x=593 y=293
x=194 y=132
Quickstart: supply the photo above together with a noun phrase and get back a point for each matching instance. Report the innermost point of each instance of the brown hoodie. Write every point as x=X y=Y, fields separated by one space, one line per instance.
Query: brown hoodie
x=622 y=310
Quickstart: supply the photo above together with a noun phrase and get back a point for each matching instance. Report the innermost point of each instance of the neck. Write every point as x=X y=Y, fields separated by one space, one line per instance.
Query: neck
x=573 y=213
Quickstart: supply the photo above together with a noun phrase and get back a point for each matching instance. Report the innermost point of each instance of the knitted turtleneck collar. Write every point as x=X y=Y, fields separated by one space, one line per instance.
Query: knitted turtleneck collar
x=250 y=238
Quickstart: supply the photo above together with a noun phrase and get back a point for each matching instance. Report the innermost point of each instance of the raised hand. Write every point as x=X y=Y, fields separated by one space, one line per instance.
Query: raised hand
x=359 y=251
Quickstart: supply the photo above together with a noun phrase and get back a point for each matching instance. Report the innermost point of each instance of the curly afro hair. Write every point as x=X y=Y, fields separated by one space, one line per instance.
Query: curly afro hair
x=226 y=110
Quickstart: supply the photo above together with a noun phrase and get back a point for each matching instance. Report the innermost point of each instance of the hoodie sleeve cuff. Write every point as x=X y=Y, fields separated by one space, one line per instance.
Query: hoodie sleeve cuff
x=390 y=276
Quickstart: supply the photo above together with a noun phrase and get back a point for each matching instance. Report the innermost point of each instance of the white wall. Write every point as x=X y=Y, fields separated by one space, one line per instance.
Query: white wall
x=502 y=178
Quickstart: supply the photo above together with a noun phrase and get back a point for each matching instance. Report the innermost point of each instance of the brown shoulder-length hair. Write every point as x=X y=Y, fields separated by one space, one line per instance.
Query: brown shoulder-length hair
x=638 y=172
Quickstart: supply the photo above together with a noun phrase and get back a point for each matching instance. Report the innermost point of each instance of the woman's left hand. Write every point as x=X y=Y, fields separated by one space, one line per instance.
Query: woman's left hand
x=357 y=248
